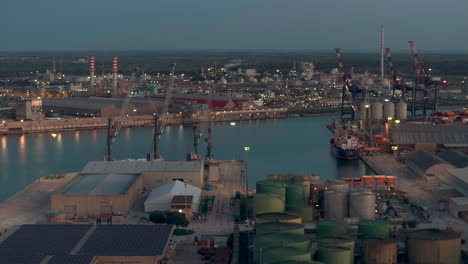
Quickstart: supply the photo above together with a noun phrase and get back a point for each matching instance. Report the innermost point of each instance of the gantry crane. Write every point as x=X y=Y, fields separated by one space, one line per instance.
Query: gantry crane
x=398 y=81
x=204 y=126
x=160 y=121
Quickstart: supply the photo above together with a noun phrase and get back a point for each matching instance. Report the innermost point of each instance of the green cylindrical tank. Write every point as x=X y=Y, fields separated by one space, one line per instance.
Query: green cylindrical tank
x=331 y=228
x=275 y=254
x=433 y=246
x=306 y=212
x=275 y=227
x=271 y=187
x=334 y=255
x=278 y=217
x=373 y=229
x=267 y=203
x=344 y=242
x=270 y=240
x=295 y=193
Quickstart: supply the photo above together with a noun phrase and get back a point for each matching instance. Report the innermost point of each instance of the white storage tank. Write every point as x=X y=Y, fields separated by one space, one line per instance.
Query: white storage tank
x=337 y=185
x=363 y=110
x=389 y=110
x=362 y=205
x=336 y=205
x=377 y=110
x=401 y=111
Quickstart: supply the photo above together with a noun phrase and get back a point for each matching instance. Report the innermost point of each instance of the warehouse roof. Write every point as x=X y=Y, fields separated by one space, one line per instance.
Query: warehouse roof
x=139 y=166
x=77 y=103
x=460 y=173
x=411 y=133
x=160 y=198
x=100 y=184
x=423 y=159
x=456 y=158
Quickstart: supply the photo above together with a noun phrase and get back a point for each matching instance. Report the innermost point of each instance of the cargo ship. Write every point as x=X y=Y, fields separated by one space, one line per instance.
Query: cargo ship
x=345 y=147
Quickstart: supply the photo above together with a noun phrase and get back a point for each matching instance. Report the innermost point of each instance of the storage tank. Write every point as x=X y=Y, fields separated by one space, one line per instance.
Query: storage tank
x=363 y=110
x=336 y=204
x=272 y=177
x=275 y=227
x=433 y=246
x=401 y=112
x=337 y=185
x=271 y=255
x=334 y=255
x=266 y=241
x=389 y=110
x=311 y=177
x=373 y=229
x=344 y=242
x=331 y=228
x=295 y=193
x=379 y=251
x=287 y=177
x=278 y=217
x=306 y=182
x=306 y=212
x=268 y=203
x=362 y=205
x=271 y=187
x=377 y=111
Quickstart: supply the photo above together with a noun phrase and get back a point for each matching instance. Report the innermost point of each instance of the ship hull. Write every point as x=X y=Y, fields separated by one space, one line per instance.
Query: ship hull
x=344 y=154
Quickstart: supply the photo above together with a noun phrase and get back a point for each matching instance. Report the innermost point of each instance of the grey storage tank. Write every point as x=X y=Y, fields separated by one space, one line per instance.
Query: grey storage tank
x=362 y=205
x=377 y=111
x=363 y=109
x=389 y=110
x=401 y=111
x=336 y=204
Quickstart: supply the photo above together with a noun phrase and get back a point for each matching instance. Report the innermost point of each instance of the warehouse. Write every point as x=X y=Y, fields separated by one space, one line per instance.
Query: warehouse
x=98 y=195
x=86 y=244
x=427 y=165
x=456 y=158
x=457 y=178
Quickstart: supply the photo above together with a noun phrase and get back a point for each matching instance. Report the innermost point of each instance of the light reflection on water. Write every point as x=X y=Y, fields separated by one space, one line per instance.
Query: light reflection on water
x=297 y=145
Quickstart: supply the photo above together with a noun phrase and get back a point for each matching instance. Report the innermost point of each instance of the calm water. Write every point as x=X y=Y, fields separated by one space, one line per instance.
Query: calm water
x=298 y=145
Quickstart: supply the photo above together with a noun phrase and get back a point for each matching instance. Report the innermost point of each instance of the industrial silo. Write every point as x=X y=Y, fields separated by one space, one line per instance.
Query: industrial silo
x=311 y=177
x=342 y=241
x=401 y=112
x=389 y=110
x=271 y=187
x=362 y=205
x=433 y=246
x=337 y=185
x=306 y=182
x=268 y=203
x=336 y=205
x=373 y=229
x=272 y=177
x=377 y=111
x=334 y=255
x=270 y=240
x=278 y=217
x=363 y=110
x=271 y=255
x=306 y=212
x=379 y=251
x=295 y=194
x=331 y=228
x=287 y=177
x=275 y=227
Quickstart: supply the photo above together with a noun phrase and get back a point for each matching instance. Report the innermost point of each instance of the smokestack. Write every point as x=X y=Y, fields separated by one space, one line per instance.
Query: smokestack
x=91 y=73
x=382 y=40
x=114 y=75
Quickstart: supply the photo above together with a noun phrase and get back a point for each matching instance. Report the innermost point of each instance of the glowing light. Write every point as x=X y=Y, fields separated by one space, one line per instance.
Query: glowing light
x=246 y=148
x=397 y=121
x=53 y=135
x=233 y=123
x=180 y=210
x=389 y=118
x=394 y=148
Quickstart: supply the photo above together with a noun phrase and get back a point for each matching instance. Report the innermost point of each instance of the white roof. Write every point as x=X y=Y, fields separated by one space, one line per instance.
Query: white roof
x=160 y=198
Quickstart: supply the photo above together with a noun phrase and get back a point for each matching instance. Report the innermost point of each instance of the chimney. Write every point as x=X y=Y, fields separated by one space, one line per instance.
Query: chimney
x=382 y=39
x=114 y=75
x=91 y=73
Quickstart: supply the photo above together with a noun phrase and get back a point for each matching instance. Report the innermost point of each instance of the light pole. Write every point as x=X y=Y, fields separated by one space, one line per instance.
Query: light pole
x=54 y=135
x=246 y=150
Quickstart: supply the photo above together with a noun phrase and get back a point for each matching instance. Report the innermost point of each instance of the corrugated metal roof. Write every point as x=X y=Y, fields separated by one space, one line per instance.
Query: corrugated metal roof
x=160 y=198
x=423 y=159
x=100 y=184
x=456 y=158
x=460 y=173
x=426 y=133
x=139 y=166
x=96 y=102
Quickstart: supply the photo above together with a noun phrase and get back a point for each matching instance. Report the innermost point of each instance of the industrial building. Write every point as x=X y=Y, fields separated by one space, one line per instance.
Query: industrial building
x=427 y=165
x=457 y=180
x=456 y=158
x=411 y=134
x=86 y=244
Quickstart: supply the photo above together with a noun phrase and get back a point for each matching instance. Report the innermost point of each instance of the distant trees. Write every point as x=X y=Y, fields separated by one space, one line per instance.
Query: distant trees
x=157 y=217
x=172 y=218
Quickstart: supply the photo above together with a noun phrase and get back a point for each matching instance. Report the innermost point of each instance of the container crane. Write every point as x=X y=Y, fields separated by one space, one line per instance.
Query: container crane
x=398 y=81
x=208 y=139
x=160 y=121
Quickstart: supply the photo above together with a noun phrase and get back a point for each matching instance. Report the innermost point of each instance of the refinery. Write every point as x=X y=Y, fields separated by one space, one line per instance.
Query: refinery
x=410 y=130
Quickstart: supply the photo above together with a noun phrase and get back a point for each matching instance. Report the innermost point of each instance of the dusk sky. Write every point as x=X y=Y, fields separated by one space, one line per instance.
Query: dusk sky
x=435 y=25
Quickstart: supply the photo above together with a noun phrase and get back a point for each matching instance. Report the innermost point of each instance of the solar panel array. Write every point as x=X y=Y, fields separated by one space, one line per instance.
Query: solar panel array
x=21 y=259
x=128 y=240
x=67 y=259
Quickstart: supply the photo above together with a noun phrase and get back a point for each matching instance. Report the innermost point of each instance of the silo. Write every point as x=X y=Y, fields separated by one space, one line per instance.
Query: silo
x=287 y=228
x=295 y=193
x=331 y=228
x=337 y=185
x=272 y=177
x=311 y=177
x=271 y=187
x=287 y=177
x=278 y=217
x=363 y=109
x=379 y=251
x=306 y=182
x=373 y=229
x=389 y=110
x=306 y=212
x=344 y=242
x=377 y=111
x=266 y=241
x=433 y=246
x=271 y=255
x=401 y=112
x=336 y=205
x=334 y=255
x=268 y=203
x=362 y=205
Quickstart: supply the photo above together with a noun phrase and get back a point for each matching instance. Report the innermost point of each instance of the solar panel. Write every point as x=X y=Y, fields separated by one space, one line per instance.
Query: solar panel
x=67 y=259
x=21 y=259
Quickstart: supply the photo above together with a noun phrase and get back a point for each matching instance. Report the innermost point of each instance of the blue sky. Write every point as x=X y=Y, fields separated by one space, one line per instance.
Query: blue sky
x=232 y=24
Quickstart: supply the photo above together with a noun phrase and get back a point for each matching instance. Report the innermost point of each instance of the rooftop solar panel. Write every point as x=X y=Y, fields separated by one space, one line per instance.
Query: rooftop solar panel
x=67 y=259
x=21 y=259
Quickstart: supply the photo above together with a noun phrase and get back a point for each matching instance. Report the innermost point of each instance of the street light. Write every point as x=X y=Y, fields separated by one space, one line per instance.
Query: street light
x=53 y=135
x=233 y=123
x=397 y=121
